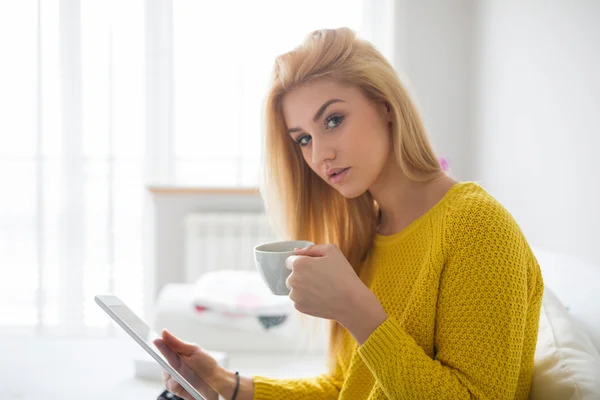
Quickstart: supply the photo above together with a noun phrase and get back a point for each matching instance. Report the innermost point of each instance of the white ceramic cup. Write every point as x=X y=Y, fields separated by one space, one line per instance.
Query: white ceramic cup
x=269 y=259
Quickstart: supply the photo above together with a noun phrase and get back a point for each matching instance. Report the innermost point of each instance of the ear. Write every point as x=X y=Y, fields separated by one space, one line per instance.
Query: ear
x=387 y=110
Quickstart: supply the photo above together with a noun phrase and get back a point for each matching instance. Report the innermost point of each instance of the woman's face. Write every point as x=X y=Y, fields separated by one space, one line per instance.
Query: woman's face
x=344 y=136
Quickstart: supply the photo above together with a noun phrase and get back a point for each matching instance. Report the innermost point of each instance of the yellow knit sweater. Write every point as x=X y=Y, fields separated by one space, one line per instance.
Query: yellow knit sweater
x=462 y=291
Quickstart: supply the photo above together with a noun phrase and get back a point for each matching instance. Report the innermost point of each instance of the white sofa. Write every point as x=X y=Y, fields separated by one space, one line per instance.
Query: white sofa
x=576 y=283
x=175 y=312
x=567 y=357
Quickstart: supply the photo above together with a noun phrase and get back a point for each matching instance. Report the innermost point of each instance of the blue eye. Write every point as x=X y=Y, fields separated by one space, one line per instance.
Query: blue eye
x=333 y=121
x=303 y=140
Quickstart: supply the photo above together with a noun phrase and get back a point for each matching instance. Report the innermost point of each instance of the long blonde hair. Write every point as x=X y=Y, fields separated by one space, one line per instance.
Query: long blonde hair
x=299 y=203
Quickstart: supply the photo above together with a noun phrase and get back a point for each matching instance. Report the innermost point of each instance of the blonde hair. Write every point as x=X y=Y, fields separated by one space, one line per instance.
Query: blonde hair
x=299 y=203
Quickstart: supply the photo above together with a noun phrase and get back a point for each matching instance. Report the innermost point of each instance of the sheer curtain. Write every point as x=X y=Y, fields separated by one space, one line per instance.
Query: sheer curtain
x=72 y=161
x=100 y=98
x=220 y=84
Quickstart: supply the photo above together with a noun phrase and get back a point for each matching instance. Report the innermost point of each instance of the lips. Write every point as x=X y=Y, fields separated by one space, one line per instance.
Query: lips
x=338 y=175
x=334 y=171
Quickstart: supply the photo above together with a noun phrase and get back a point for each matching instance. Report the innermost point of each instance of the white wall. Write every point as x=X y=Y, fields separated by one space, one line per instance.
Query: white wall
x=537 y=136
x=510 y=93
x=434 y=54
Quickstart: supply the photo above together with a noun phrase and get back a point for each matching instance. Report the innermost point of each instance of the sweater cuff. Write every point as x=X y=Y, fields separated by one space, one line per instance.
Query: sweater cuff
x=385 y=339
x=262 y=386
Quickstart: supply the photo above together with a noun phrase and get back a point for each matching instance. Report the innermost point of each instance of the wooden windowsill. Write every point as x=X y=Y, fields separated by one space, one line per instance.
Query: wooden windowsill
x=191 y=190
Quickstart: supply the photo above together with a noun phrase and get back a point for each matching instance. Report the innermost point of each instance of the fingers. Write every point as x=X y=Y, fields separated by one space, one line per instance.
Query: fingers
x=302 y=258
x=289 y=262
x=316 y=250
x=171 y=384
x=303 y=250
x=177 y=345
x=174 y=387
x=171 y=357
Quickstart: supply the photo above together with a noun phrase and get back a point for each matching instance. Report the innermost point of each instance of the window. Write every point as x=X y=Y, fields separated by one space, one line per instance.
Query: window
x=71 y=161
x=223 y=57
x=79 y=143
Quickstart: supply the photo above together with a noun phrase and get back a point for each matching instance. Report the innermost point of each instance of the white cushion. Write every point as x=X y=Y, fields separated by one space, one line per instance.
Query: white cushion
x=567 y=365
x=239 y=292
x=175 y=312
x=575 y=283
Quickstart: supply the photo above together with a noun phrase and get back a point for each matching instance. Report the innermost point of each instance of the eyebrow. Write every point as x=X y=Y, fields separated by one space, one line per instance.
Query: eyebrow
x=319 y=113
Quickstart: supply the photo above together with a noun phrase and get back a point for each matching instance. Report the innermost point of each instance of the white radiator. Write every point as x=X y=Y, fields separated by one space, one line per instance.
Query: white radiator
x=223 y=240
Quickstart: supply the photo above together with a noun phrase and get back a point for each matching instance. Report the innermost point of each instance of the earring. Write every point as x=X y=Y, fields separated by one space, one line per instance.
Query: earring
x=444 y=164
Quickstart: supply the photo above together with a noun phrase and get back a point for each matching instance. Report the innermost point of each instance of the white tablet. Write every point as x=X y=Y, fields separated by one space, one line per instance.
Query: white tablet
x=141 y=333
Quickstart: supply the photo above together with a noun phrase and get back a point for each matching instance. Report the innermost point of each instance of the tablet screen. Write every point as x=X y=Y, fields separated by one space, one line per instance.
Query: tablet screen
x=137 y=325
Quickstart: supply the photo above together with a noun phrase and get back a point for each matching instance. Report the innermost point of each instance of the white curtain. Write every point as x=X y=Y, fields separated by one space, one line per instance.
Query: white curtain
x=100 y=98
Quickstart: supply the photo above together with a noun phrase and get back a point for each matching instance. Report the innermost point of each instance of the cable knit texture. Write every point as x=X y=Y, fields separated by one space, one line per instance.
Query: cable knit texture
x=463 y=293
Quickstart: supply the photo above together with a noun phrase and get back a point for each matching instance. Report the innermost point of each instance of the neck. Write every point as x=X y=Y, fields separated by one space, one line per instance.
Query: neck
x=400 y=199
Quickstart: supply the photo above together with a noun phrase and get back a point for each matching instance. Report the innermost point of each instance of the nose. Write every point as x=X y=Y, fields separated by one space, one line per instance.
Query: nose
x=321 y=151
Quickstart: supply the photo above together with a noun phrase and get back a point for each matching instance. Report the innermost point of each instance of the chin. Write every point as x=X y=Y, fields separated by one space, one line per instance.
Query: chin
x=351 y=192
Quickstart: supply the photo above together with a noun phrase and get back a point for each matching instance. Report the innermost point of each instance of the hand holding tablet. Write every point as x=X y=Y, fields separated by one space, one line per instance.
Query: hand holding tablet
x=185 y=364
x=191 y=362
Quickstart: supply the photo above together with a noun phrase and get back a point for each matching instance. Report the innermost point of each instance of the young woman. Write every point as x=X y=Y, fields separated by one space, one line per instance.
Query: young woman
x=430 y=286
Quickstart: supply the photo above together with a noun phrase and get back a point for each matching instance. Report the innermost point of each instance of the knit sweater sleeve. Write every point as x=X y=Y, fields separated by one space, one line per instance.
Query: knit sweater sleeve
x=480 y=317
x=325 y=386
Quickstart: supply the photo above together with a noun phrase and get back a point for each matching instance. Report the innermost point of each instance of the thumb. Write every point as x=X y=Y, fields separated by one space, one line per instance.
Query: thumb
x=315 y=250
x=177 y=345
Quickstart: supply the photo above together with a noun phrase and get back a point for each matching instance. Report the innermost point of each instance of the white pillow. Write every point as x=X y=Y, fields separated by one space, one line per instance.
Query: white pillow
x=567 y=365
x=574 y=281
